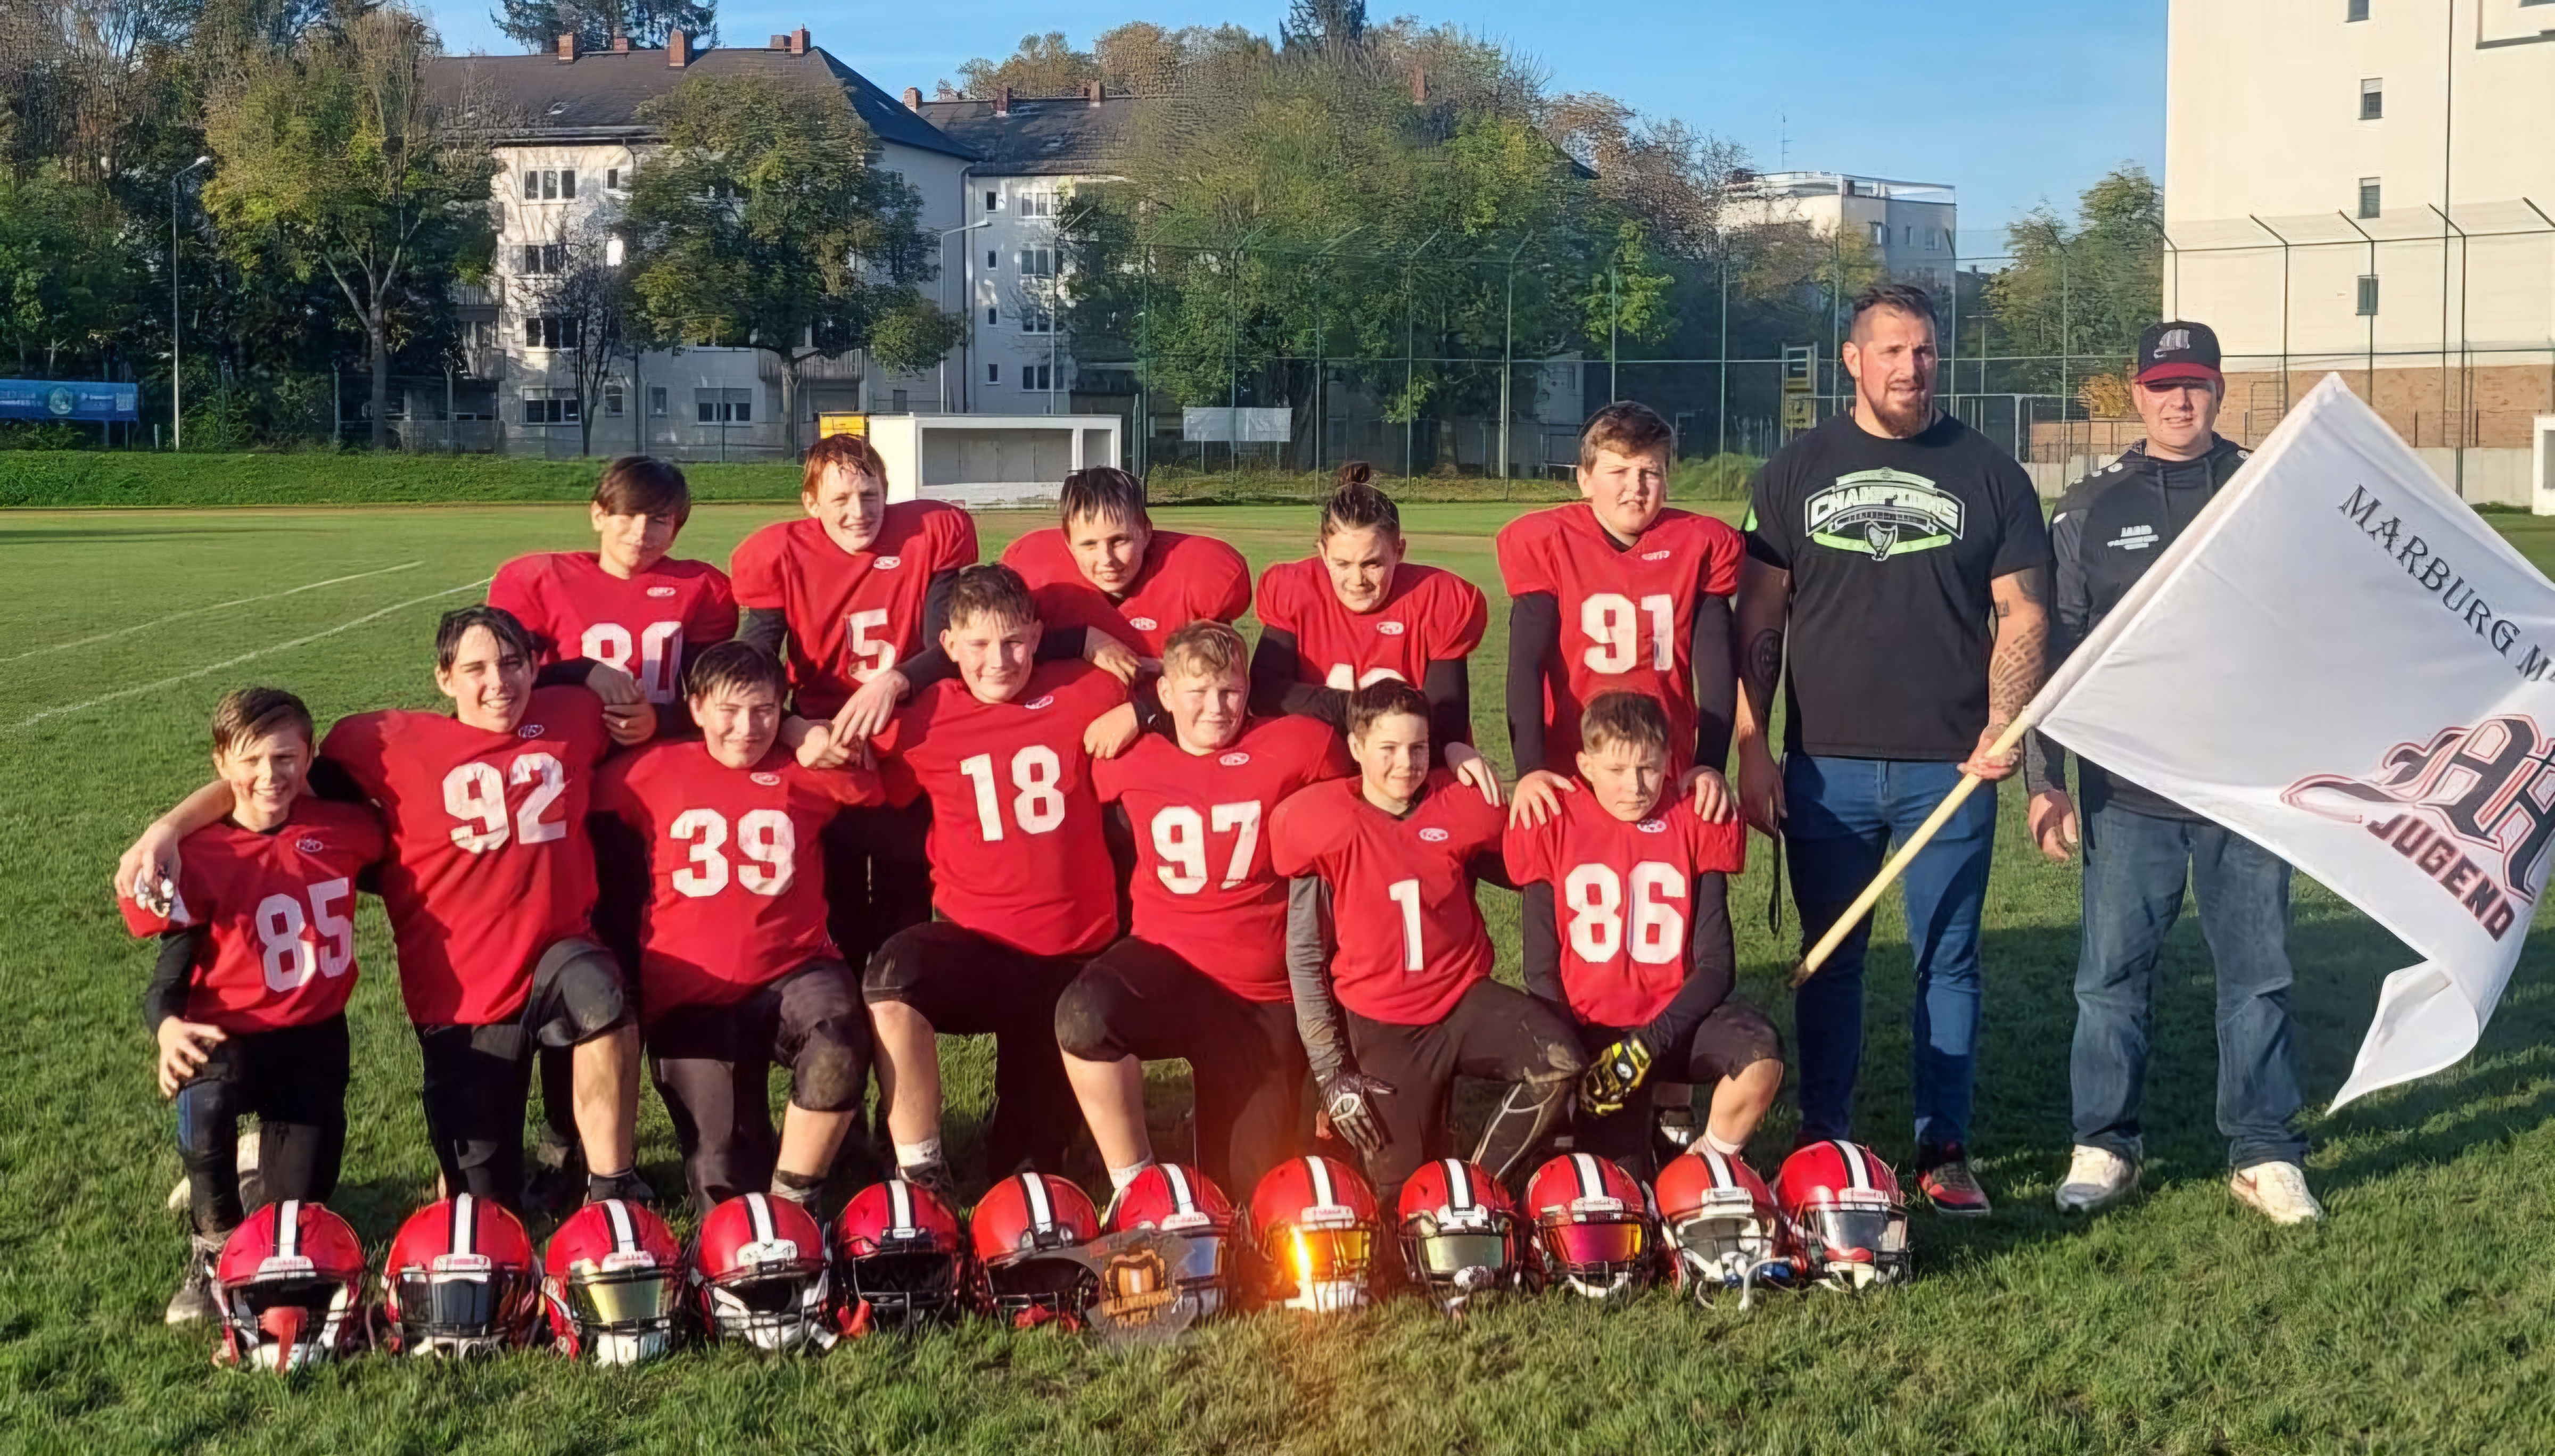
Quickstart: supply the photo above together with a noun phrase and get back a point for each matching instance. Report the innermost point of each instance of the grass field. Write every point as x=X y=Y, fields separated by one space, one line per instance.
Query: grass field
x=2422 y=1317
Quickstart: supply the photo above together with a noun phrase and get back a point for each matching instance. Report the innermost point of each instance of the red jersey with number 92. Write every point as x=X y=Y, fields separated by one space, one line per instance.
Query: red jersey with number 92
x=1017 y=851
x=1427 y=616
x=641 y=625
x=852 y=615
x=1623 y=895
x=278 y=912
x=1411 y=940
x=489 y=861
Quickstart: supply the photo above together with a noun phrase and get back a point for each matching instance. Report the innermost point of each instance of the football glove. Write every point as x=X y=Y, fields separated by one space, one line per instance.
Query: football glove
x=1348 y=1100
x=1612 y=1076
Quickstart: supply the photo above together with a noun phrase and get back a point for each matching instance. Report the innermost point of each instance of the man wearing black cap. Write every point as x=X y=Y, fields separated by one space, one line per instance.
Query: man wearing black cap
x=2140 y=848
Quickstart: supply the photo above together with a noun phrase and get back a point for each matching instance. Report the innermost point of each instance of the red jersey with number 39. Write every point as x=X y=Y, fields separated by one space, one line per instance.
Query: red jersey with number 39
x=1017 y=851
x=852 y=615
x=278 y=912
x=1626 y=612
x=736 y=870
x=1428 y=616
x=489 y=862
x=1623 y=895
x=641 y=625
x=1203 y=887
x=1185 y=579
x=1410 y=940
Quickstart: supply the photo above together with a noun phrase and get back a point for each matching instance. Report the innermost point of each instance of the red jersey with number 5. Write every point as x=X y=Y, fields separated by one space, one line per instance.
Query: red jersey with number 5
x=642 y=624
x=278 y=912
x=1017 y=851
x=852 y=615
x=1410 y=940
x=1626 y=612
x=736 y=871
x=1203 y=887
x=1428 y=616
x=1185 y=579
x=489 y=862
x=1623 y=892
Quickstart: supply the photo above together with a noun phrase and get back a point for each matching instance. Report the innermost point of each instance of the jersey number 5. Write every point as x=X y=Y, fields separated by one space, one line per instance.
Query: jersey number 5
x=1612 y=623
x=1037 y=807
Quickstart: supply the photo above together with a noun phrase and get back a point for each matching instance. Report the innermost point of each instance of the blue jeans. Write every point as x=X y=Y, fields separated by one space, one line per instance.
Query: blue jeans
x=2136 y=865
x=1839 y=819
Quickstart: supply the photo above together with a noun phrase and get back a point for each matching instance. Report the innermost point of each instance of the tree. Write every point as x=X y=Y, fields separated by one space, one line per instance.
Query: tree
x=1324 y=25
x=1675 y=180
x=2082 y=291
x=66 y=283
x=537 y=25
x=588 y=296
x=765 y=219
x=1043 y=66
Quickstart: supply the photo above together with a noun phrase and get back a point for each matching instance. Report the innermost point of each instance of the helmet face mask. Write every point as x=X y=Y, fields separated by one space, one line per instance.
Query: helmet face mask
x=623 y=1316
x=1726 y=1245
x=1316 y=1228
x=456 y=1314
x=289 y=1286
x=1460 y=1234
x=1326 y=1266
x=613 y=1284
x=1032 y=1290
x=759 y=1275
x=1592 y=1226
x=288 y=1322
x=900 y=1254
x=904 y=1288
x=459 y=1281
x=1844 y=1217
x=780 y=1310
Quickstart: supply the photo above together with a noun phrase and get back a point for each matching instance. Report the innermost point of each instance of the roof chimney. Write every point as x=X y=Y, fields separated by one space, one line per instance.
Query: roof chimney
x=798 y=41
x=913 y=99
x=1095 y=93
x=779 y=43
x=567 y=48
x=679 y=50
x=619 y=43
x=1003 y=101
x=1419 y=85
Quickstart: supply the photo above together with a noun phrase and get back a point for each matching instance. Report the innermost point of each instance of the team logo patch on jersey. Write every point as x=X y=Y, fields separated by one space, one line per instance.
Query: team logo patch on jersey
x=767 y=780
x=1883 y=513
x=2133 y=539
x=1142 y=624
x=1047 y=702
x=308 y=844
x=660 y=591
x=1435 y=835
x=531 y=730
x=1234 y=760
x=1652 y=826
x=1656 y=555
x=1390 y=629
x=887 y=563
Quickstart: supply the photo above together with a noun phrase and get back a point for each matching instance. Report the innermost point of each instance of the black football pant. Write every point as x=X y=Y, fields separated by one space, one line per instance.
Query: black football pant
x=877 y=880
x=1496 y=1034
x=970 y=985
x=713 y=1067
x=293 y=1080
x=1733 y=1039
x=478 y=1078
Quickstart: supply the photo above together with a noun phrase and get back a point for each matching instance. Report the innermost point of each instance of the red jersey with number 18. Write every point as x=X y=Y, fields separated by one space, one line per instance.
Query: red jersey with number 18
x=1623 y=892
x=489 y=861
x=1411 y=938
x=1017 y=851
x=852 y=615
x=639 y=624
x=1428 y=616
x=278 y=912
x=1185 y=578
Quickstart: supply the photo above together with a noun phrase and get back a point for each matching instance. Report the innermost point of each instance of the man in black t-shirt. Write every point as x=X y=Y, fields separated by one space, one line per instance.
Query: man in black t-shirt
x=1881 y=547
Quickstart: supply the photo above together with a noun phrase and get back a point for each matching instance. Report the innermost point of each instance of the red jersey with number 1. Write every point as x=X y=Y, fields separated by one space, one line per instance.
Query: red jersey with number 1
x=1428 y=616
x=1626 y=612
x=278 y=912
x=1203 y=887
x=489 y=862
x=852 y=615
x=641 y=624
x=1411 y=940
x=1185 y=578
x=1623 y=892
x=1017 y=850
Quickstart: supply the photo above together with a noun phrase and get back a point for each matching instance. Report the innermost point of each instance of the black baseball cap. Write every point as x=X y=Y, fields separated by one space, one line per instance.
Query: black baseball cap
x=2179 y=350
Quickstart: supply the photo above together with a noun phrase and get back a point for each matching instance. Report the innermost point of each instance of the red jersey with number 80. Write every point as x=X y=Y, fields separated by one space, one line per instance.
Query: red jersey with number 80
x=641 y=625
x=1428 y=616
x=1410 y=940
x=1203 y=888
x=852 y=615
x=489 y=861
x=1185 y=578
x=278 y=912
x=1623 y=892
x=1017 y=851
x=1626 y=612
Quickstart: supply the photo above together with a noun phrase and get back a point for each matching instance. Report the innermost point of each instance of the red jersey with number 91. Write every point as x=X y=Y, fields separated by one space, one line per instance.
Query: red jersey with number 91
x=1203 y=887
x=1626 y=612
x=1185 y=578
x=736 y=870
x=641 y=625
x=489 y=861
x=852 y=615
x=1428 y=616
x=1410 y=940
x=1623 y=895
x=278 y=912
x=1017 y=851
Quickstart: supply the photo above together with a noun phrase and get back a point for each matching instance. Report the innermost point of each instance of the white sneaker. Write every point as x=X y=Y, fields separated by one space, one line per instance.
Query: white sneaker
x=2279 y=1191
x=2096 y=1177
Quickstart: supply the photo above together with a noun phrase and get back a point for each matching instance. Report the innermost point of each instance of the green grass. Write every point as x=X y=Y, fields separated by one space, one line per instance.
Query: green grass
x=2418 y=1319
x=336 y=478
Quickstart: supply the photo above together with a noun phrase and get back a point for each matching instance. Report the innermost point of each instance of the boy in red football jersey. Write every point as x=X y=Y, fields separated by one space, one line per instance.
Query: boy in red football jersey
x=1638 y=951
x=736 y=970
x=257 y=957
x=1021 y=876
x=1201 y=976
x=1388 y=960
x=1106 y=567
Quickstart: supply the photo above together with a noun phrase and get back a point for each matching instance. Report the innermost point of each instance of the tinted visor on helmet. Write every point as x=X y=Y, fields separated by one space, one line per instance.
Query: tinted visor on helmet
x=1324 y=1256
x=1857 y=1243
x=444 y=1308
x=622 y=1302
x=1438 y=1252
x=1598 y=1246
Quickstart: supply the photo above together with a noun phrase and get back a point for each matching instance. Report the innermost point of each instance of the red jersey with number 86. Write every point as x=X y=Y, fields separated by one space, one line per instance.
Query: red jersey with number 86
x=1410 y=940
x=852 y=615
x=1623 y=892
x=1428 y=616
x=642 y=624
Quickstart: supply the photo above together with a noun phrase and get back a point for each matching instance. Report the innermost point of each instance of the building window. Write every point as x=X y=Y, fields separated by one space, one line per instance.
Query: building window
x=1037 y=318
x=1037 y=205
x=656 y=399
x=552 y=331
x=992 y=373
x=2368 y=295
x=725 y=406
x=989 y=314
x=550 y=184
x=993 y=201
x=1036 y=377
x=2373 y=99
x=895 y=400
x=549 y=407
x=543 y=258
x=612 y=252
x=1037 y=263
x=612 y=401
x=993 y=260
x=2354 y=10
x=1880 y=234
x=2368 y=197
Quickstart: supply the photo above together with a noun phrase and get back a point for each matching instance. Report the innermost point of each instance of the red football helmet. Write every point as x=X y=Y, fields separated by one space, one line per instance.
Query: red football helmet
x=291 y=1285
x=1313 y=1221
x=460 y=1279
x=1460 y=1234
x=759 y=1275
x=1016 y=1228
x=611 y=1280
x=1722 y=1228
x=1592 y=1225
x=903 y=1252
x=1841 y=1208
x=1181 y=1200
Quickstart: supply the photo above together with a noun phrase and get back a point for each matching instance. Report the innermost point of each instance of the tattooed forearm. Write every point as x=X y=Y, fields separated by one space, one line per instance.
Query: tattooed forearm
x=1761 y=668
x=2019 y=664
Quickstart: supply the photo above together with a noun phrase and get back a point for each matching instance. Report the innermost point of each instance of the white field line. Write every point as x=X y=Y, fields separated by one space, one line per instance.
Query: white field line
x=200 y=611
x=125 y=692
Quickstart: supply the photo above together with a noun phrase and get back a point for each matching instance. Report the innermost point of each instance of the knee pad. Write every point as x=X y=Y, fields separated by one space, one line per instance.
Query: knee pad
x=591 y=1001
x=1563 y=1061
x=832 y=1069
x=209 y=1116
x=1082 y=1023
x=894 y=971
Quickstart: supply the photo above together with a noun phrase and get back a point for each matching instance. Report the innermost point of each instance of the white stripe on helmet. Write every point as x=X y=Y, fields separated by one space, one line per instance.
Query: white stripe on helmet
x=288 y=1229
x=1853 y=1164
x=1184 y=1200
x=1459 y=1185
x=1592 y=1183
x=1323 y=1196
x=625 y=1231
x=1042 y=1212
x=899 y=1204
x=465 y=1225
x=758 y=1211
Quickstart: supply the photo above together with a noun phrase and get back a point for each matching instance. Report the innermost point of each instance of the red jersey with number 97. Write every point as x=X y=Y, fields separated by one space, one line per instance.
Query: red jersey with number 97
x=1624 y=893
x=1017 y=850
x=278 y=912
x=1626 y=612
x=1428 y=616
x=489 y=862
x=642 y=624
x=1203 y=887
x=1185 y=578
x=852 y=615
x=1410 y=940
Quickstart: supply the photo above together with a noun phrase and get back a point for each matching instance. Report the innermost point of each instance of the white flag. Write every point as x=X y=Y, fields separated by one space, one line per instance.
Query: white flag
x=2341 y=661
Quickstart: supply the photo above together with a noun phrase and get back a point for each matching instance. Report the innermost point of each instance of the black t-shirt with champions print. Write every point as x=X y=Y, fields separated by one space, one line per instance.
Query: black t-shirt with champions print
x=1891 y=544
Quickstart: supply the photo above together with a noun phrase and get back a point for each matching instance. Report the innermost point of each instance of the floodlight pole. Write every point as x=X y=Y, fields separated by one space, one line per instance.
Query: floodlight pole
x=177 y=414
x=946 y=234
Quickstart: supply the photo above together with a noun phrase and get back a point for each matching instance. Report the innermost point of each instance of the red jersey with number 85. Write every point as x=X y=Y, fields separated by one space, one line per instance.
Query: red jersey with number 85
x=1428 y=616
x=1203 y=887
x=1409 y=938
x=852 y=615
x=641 y=625
x=1185 y=578
x=489 y=862
x=1624 y=893
x=278 y=912
x=1626 y=612
x=1017 y=850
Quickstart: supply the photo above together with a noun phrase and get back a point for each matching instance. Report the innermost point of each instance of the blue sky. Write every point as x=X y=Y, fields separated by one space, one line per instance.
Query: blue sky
x=2012 y=101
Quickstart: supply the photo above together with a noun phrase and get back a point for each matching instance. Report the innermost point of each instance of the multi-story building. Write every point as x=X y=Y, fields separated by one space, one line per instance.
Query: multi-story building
x=1913 y=227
